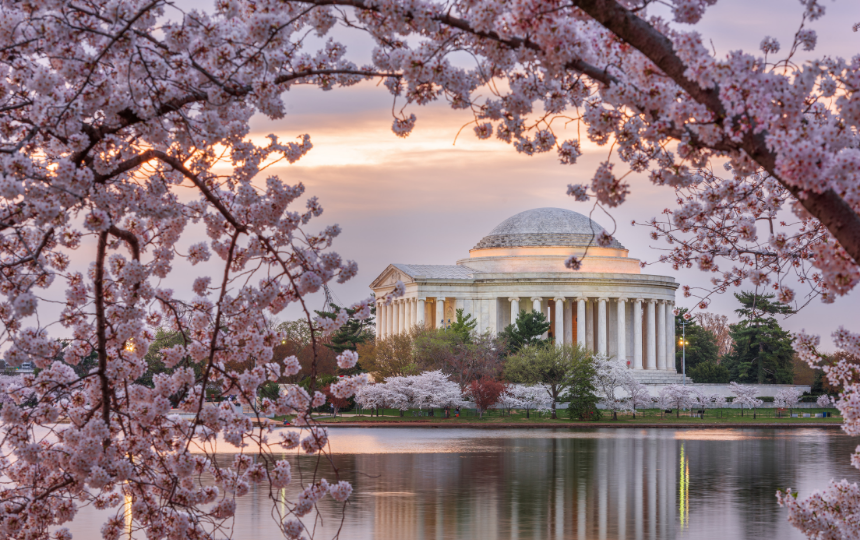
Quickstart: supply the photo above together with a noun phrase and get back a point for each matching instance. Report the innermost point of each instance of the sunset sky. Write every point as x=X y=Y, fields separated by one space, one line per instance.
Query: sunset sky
x=427 y=200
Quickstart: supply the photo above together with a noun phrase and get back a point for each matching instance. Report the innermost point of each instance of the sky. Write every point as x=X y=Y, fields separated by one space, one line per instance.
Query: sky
x=429 y=198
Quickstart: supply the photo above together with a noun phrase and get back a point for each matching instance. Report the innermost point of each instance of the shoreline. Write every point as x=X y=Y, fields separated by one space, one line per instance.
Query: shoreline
x=579 y=425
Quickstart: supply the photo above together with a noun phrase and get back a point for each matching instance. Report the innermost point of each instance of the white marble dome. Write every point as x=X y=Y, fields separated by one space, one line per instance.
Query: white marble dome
x=544 y=227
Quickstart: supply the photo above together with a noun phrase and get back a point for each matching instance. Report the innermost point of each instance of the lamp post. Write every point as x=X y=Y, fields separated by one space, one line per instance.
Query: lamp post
x=683 y=343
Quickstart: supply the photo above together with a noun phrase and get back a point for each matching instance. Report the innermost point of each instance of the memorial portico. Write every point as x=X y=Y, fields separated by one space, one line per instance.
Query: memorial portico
x=607 y=305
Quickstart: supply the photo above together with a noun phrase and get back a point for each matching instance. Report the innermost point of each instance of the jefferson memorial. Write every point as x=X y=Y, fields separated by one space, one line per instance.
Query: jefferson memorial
x=607 y=305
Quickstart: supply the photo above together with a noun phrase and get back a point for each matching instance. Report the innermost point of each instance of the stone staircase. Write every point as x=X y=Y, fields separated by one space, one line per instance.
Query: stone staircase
x=659 y=377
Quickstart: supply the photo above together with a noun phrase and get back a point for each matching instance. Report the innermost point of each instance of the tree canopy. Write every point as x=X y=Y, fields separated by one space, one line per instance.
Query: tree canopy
x=528 y=329
x=762 y=351
x=464 y=326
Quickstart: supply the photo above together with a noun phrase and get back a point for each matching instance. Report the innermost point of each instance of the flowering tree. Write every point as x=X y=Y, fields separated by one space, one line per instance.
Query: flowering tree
x=610 y=376
x=439 y=391
x=787 y=398
x=114 y=118
x=528 y=397
x=744 y=395
x=372 y=396
x=429 y=390
x=824 y=401
x=398 y=393
x=677 y=396
x=509 y=399
x=638 y=395
x=707 y=401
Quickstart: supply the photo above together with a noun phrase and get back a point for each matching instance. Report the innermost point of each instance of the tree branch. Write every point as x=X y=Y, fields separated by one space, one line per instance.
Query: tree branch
x=828 y=207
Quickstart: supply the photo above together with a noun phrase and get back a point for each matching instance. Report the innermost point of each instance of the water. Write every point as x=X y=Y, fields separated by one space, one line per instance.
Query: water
x=590 y=484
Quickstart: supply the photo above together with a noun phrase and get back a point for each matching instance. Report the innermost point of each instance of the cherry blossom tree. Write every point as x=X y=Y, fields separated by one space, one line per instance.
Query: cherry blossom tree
x=824 y=401
x=611 y=376
x=126 y=159
x=787 y=398
x=535 y=397
x=373 y=396
x=744 y=395
x=638 y=395
x=509 y=400
x=428 y=390
x=677 y=396
x=706 y=401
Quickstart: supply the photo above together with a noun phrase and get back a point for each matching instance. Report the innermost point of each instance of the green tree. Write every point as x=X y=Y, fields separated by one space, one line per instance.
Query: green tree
x=762 y=353
x=526 y=330
x=463 y=326
x=582 y=399
x=353 y=332
x=701 y=345
x=559 y=368
x=709 y=372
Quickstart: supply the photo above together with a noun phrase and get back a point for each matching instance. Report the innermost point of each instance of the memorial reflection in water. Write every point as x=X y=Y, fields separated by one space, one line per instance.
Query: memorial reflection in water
x=626 y=484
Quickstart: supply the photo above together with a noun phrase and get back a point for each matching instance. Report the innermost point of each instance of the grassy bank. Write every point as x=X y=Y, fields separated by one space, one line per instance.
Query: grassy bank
x=650 y=417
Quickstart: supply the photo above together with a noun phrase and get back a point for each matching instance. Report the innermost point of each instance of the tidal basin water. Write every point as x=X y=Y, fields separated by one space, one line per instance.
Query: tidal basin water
x=589 y=484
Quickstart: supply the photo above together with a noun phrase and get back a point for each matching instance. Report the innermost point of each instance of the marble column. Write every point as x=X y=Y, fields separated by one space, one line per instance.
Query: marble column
x=536 y=301
x=402 y=306
x=601 y=325
x=650 y=336
x=670 y=337
x=440 y=311
x=380 y=320
x=408 y=308
x=580 y=321
x=389 y=320
x=493 y=312
x=559 y=321
x=395 y=317
x=420 y=318
x=637 y=333
x=568 y=322
x=589 y=325
x=622 y=330
x=515 y=309
x=661 y=334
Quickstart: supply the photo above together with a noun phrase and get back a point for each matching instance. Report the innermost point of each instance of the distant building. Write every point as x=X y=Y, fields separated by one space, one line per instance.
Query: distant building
x=607 y=305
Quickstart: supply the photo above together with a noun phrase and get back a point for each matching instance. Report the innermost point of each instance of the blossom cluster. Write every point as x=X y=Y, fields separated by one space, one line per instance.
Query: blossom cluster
x=125 y=126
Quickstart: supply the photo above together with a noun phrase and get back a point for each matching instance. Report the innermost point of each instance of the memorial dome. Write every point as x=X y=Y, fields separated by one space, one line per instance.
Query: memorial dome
x=544 y=227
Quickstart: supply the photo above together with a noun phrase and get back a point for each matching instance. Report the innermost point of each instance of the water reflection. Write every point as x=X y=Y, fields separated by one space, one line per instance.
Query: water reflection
x=587 y=484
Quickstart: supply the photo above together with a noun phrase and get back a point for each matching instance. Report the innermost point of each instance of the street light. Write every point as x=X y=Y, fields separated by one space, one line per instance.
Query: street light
x=683 y=343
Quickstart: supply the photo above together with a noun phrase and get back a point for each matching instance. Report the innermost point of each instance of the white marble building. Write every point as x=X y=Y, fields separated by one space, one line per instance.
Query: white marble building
x=608 y=305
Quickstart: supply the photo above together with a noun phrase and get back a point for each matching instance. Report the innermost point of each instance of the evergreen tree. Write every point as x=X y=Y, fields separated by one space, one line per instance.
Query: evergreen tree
x=353 y=332
x=463 y=326
x=709 y=372
x=701 y=345
x=526 y=330
x=762 y=353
